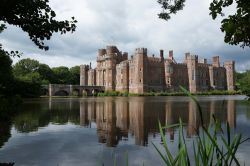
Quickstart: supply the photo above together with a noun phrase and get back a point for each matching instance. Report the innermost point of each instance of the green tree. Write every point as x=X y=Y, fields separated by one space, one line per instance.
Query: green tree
x=236 y=27
x=25 y=66
x=75 y=75
x=46 y=73
x=62 y=75
x=244 y=83
x=6 y=76
x=34 y=17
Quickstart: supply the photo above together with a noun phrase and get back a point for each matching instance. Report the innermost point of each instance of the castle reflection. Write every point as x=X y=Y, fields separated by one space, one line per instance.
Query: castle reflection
x=116 y=119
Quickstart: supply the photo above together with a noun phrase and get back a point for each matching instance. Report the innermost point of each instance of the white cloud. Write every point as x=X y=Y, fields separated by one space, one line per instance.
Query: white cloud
x=129 y=24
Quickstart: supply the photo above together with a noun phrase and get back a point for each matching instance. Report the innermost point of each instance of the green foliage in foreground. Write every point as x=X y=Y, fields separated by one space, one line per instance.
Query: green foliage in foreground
x=236 y=26
x=243 y=82
x=214 y=92
x=211 y=146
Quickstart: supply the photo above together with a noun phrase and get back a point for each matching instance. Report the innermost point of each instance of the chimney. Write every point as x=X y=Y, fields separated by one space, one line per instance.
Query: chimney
x=161 y=53
x=171 y=54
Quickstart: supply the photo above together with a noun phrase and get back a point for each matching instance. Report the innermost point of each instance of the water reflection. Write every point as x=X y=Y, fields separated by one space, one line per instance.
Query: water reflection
x=116 y=118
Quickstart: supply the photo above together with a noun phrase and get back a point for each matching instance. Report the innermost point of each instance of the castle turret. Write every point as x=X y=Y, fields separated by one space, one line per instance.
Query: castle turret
x=230 y=74
x=140 y=68
x=84 y=75
x=192 y=61
x=101 y=52
x=111 y=50
x=91 y=77
x=216 y=61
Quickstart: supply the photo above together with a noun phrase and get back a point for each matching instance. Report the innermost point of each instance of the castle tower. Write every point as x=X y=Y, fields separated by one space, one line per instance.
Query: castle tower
x=140 y=69
x=216 y=61
x=99 y=71
x=192 y=62
x=106 y=66
x=111 y=67
x=84 y=75
x=92 y=77
x=230 y=69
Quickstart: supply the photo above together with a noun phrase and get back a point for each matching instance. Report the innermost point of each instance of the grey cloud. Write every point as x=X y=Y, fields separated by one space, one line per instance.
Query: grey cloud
x=130 y=24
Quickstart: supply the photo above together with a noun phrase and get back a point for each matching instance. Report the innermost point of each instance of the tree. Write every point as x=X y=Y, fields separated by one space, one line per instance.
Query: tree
x=62 y=75
x=25 y=66
x=244 y=83
x=46 y=74
x=34 y=17
x=236 y=27
x=75 y=75
x=6 y=75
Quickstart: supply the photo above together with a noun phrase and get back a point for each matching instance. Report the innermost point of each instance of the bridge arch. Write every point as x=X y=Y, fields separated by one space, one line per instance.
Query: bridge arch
x=61 y=93
x=76 y=92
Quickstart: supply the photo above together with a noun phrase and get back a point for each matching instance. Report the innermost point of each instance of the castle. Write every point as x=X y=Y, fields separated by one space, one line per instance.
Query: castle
x=142 y=73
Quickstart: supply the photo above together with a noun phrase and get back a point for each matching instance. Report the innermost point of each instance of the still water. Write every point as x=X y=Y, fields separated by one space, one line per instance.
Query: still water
x=95 y=131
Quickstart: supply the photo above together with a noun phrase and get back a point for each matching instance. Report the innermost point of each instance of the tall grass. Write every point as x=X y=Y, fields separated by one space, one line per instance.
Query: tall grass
x=212 y=146
x=181 y=93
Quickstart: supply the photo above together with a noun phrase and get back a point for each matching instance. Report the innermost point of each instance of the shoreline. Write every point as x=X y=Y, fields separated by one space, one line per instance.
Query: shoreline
x=126 y=94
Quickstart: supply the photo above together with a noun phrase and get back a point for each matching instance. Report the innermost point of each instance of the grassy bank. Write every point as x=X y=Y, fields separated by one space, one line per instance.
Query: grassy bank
x=215 y=92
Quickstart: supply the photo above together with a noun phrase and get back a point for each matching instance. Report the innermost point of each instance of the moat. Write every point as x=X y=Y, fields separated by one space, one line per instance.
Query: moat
x=95 y=130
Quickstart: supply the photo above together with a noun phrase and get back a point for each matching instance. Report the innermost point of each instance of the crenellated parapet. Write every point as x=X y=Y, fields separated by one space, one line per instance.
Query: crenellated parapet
x=142 y=51
x=112 y=50
x=101 y=52
x=216 y=61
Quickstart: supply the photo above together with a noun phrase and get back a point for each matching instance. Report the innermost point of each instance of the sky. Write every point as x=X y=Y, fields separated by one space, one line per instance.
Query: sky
x=129 y=24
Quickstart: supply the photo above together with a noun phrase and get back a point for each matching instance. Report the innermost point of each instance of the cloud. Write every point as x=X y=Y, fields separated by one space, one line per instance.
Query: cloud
x=129 y=24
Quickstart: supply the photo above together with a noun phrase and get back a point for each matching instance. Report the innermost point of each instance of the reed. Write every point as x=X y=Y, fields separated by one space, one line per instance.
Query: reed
x=211 y=146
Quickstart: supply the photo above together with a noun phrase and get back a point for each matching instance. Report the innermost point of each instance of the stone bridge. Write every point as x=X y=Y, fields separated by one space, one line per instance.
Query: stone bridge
x=72 y=90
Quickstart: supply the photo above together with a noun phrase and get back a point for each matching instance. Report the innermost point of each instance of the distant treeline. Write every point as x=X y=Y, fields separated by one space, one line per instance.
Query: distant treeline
x=26 y=77
x=243 y=82
x=33 y=71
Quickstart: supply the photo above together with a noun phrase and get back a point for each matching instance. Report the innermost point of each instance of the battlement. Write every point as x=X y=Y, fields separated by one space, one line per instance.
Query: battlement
x=228 y=63
x=203 y=61
x=141 y=51
x=216 y=61
x=188 y=56
x=181 y=65
x=154 y=60
x=84 y=67
x=111 y=49
x=101 y=52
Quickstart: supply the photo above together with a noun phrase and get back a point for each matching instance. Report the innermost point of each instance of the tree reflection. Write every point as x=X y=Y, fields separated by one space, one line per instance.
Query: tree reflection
x=5 y=128
x=116 y=118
